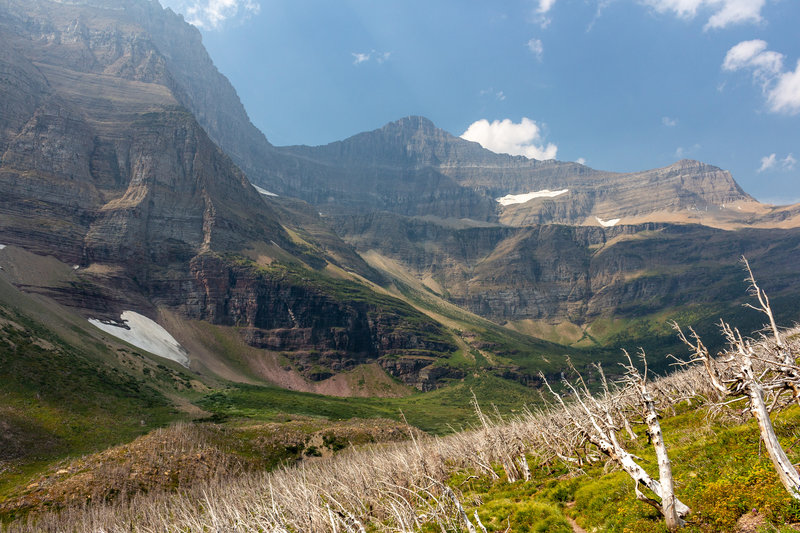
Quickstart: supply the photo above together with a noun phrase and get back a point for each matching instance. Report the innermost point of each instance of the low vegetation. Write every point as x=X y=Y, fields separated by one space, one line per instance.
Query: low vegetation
x=535 y=471
x=711 y=447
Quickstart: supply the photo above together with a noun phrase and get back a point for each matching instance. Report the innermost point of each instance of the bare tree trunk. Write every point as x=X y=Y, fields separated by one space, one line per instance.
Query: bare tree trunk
x=777 y=372
x=601 y=433
x=668 y=500
x=639 y=475
x=783 y=466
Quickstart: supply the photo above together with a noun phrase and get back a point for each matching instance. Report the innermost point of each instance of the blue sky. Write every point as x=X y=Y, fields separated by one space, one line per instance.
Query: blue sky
x=620 y=84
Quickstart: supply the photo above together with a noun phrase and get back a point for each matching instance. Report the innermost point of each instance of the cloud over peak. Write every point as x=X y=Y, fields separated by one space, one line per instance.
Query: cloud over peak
x=507 y=137
x=211 y=14
x=771 y=162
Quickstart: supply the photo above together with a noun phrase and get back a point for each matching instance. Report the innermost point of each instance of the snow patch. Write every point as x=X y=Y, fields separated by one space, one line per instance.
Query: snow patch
x=143 y=333
x=607 y=223
x=2 y=246
x=264 y=191
x=511 y=199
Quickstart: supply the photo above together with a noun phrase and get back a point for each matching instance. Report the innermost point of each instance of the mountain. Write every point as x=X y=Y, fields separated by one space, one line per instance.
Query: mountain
x=543 y=244
x=127 y=154
x=106 y=168
x=411 y=167
x=551 y=274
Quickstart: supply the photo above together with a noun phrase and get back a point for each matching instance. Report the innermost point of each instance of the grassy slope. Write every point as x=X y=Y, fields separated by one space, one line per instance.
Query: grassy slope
x=439 y=411
x=184 y=455
x=63 y=391
x=720 y=469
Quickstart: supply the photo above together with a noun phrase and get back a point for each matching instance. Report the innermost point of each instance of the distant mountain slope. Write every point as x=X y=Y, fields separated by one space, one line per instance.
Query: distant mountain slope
x=452 y=177
x=558 y=273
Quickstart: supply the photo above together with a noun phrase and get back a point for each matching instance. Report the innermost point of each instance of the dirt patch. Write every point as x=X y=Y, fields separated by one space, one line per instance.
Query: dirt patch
x=752 y=522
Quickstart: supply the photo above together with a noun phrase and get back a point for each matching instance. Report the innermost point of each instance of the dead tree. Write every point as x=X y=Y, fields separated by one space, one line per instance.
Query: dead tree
x=598 y=421
x=758 y=370
x=637 y=382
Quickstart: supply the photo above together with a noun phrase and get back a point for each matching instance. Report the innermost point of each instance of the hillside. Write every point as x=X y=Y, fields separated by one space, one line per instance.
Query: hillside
x=527 y=473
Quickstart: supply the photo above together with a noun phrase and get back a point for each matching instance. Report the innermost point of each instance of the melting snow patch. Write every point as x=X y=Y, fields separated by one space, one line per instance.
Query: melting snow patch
x=511 y=199
x=607 y=223
x=264 y=191
x=145 y=334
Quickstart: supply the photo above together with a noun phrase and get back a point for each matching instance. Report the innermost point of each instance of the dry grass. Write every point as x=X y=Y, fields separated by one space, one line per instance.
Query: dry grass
x=386 y=487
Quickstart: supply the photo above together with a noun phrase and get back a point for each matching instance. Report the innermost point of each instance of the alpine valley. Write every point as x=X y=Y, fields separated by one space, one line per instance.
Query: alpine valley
x=162 y=261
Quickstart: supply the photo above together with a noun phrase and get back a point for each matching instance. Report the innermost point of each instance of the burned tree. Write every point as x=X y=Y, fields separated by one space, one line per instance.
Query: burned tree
x=762 y=371
x=636 y=383
x=598 y=420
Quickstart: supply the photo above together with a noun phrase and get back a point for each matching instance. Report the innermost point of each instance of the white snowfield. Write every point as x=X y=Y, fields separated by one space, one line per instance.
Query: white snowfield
x=607 y=223
x=2 y=246
x=265 y=192
x=145 y=334
x=511 y=199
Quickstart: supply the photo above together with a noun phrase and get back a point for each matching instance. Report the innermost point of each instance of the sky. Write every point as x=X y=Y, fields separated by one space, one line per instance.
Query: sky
x=620 y=85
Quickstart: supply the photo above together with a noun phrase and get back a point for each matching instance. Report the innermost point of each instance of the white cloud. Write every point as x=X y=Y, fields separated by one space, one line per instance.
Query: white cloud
x=536 y=48
x=724 y=13
x=682 y=152
x=545 y=6
x=781 y=88
x=506 y=137
x=360 y=58
x=784 y=97
x=767 y=162
x=766 y=64
x=581 y=161
x=499 y=95
x=373 y=55
x=669 y=122
x=540 y=13
x=771 y=162
x=735 y=12
x=211 y=14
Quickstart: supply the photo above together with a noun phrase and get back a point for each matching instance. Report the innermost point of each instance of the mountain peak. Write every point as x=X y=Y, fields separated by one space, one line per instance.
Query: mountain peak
x=688 y=163
x=412 y=123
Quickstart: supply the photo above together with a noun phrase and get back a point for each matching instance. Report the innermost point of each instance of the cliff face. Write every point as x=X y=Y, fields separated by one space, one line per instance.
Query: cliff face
x=138 y=40
x=577 y=273
x=105 y=166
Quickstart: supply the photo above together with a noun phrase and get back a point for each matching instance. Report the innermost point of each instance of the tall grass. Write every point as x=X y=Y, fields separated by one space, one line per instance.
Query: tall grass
x=399 y=487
